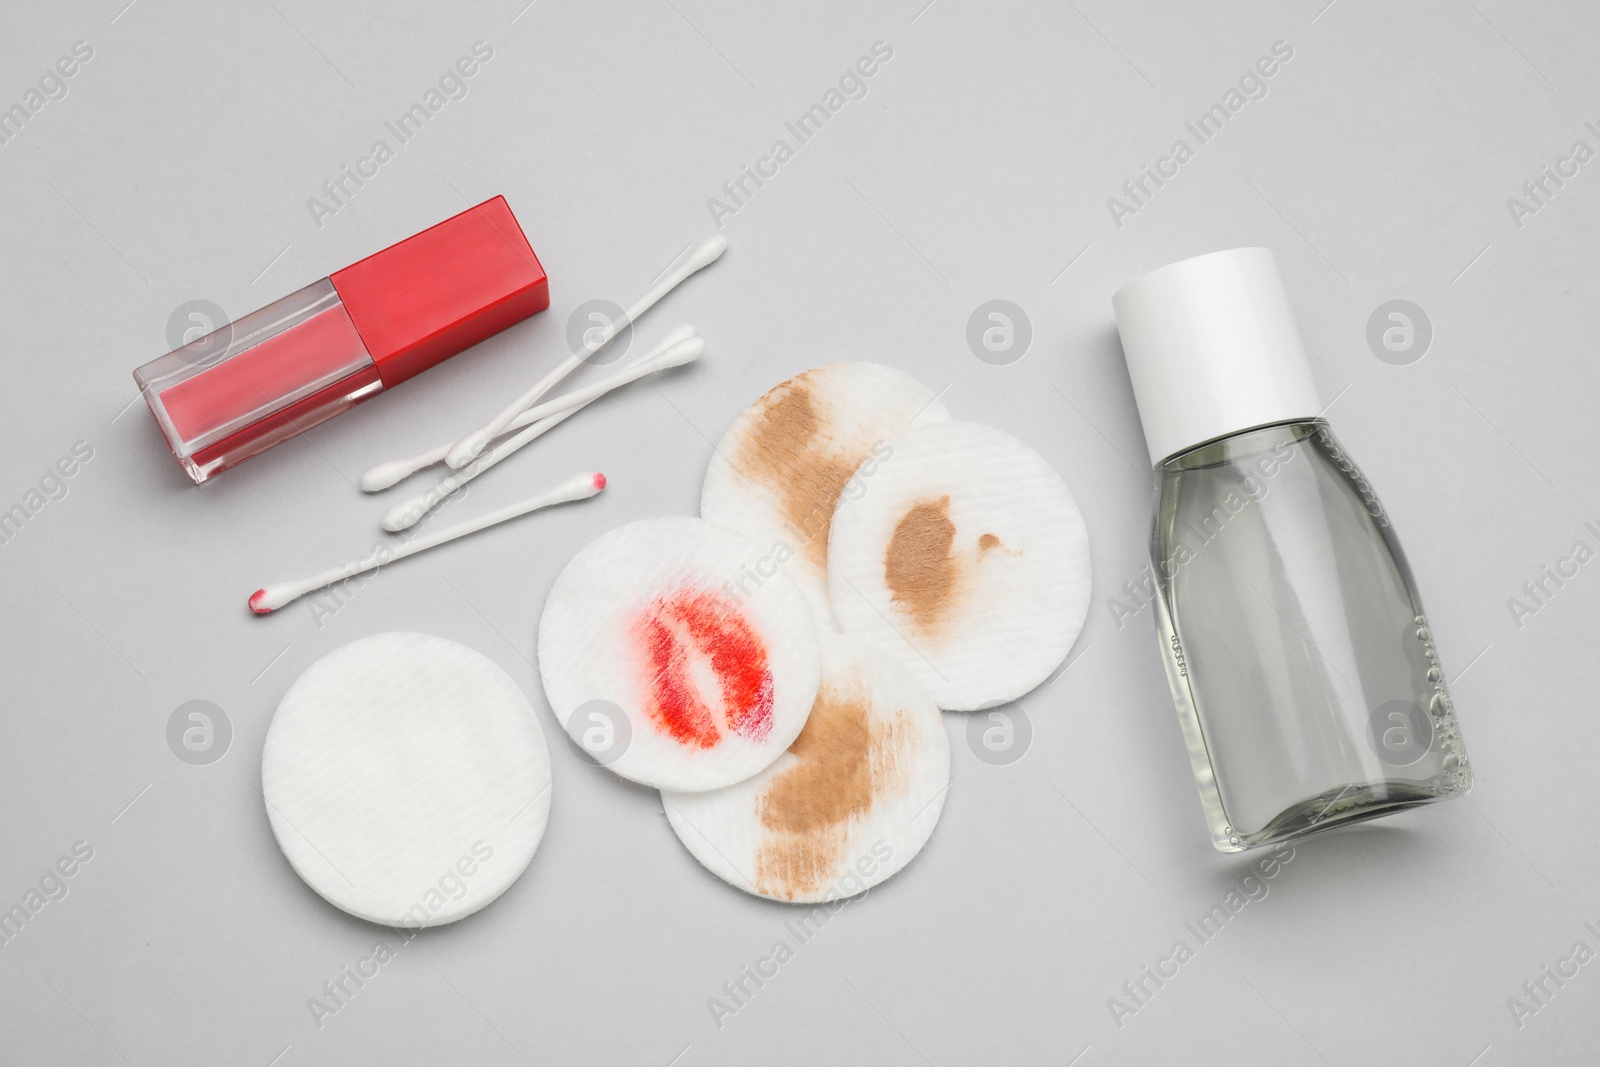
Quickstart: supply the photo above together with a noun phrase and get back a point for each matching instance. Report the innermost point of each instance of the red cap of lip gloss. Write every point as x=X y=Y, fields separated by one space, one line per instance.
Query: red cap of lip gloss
x=280 y=370
x=423 y=300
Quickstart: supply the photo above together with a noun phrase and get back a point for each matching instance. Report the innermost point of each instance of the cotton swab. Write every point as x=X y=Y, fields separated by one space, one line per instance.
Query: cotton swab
x=383 y=475
x=408 y=513
x=579 y=487
x=472 y=445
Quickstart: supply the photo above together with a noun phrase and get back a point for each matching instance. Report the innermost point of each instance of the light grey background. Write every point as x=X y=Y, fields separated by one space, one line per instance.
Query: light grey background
x=977 y=167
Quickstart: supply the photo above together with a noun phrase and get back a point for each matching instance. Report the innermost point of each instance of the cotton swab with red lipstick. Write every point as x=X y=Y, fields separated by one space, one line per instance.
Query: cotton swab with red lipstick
x=473 y=444
x=383 y=475
x=408 y=513
x=270 y=598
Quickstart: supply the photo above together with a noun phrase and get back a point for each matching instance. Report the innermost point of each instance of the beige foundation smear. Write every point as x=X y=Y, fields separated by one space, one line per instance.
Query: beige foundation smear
x=919 y=566
x=788 y=452
x=785 y=462
x=967 y=560
x=848 y=757
x=928 y=571
x=854 y=798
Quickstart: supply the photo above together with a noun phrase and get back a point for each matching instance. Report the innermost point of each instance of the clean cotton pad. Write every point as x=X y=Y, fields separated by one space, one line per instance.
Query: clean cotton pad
x=406 y=779
x=855 y=797
x=967 y=560
x=782 y=466
x=680 y=638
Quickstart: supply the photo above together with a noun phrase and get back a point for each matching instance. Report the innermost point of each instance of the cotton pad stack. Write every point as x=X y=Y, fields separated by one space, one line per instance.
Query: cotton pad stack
x=776 y=667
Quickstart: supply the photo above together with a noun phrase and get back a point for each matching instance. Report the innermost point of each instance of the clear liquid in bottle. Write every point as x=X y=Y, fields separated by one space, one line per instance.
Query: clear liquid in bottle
x=1297 y=650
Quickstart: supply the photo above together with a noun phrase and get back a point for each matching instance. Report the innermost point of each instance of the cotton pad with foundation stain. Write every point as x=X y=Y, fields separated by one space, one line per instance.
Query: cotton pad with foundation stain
x=852 y=801
x=782 y=466
x=406 y=779
x=967 y=560
x=699 y=680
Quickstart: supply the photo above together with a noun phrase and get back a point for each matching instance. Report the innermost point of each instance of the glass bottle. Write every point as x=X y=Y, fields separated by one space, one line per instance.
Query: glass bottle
x=1305 y=677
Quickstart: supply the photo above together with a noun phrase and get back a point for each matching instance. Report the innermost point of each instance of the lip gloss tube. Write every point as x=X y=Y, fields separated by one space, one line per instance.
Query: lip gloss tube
x=284 y=368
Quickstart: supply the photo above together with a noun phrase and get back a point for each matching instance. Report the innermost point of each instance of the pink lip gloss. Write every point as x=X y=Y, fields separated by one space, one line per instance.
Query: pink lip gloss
x=284 y=368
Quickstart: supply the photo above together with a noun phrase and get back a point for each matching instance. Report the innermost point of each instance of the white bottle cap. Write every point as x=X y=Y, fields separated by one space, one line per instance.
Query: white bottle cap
x=1212 y=349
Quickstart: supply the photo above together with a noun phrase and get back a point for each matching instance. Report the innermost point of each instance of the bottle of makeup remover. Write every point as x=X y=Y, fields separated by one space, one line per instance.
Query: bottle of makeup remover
x=1306 y=680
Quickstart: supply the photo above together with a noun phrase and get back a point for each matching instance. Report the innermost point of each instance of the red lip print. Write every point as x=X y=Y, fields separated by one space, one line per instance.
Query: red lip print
x=677 y=630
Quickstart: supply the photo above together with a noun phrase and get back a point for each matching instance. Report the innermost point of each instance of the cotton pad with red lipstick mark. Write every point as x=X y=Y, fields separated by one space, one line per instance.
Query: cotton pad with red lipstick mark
x=854 y=798
x=967 y=560
x=782 y=466
x=701 y=647
x=406 y=779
